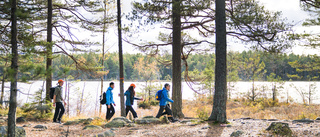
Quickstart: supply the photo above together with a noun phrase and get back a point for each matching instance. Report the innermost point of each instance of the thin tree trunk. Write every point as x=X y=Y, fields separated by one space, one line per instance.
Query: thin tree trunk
x=84 y=85
x=253 y=93
x=49 y=51
x=103 y=44
x=274 y=92
x=68 y=99
x=176 y=59
x=2 y=88
x=220 y=95
x=122 y=107
x=14 y=72
x=309 y=94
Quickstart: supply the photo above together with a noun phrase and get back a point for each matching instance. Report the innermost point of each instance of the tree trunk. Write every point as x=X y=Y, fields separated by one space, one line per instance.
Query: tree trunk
x=2 y=88
x=274 y=92
x=14 y=71
x=103 y=44
x=220 y=95
x=176 y=59
x=122 y=105
x=253 y=92
x=309 y=94
x=49 y=51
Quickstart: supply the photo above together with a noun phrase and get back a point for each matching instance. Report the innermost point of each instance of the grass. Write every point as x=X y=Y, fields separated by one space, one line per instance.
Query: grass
x=260 y=109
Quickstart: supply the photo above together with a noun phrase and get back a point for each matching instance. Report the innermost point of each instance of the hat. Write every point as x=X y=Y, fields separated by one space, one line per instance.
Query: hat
x=60 y=80
x=133 y=85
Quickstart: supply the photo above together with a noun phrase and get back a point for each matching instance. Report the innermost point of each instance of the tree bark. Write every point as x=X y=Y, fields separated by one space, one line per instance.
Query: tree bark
x=2 y=87
x=49 y=52
x=122 y=107
x=14 y=71
x=176 y=59
x=220 y=95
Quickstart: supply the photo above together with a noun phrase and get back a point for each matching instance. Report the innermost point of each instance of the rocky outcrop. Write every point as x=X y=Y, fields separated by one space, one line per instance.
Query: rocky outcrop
x=21 y=120
x=119 y=122
x=237 y=133
x=92 y=127
x=148 y=120
x=20 y=132
x=107 y=133
x=279 y=128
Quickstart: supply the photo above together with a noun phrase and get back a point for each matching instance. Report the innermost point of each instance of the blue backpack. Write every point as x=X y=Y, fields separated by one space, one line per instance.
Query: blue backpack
x=159 y=95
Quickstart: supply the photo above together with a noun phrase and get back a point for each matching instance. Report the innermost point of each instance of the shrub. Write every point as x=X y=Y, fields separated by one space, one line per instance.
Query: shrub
x=202 y=113
x=144 y=105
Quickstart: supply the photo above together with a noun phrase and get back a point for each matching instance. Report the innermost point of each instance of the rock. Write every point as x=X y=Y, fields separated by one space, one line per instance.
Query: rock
x=29 y=125
x=305 y=132
x=85 y=121
x=192 y=124
x=20 y=132
x=149 y=117
x=130 y=125
x=123 y=119
x=280 y=128
x=71 y=123
x=246 y=118
x=91 y=127
x=243 y=123
x=237 y=133
x=272 y=120
x=306 y=121
x=185 y=121
x=318 y=118
x=318 y=134
x=21 y=120
x=148 y=121
x=116 y=123
x=108 y=133
x=40 y=127
x=229 y=126
x=206 y=127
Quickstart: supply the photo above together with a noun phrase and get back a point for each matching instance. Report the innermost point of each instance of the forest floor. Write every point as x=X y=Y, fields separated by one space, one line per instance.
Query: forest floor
x=250 y=127
x=252 y=118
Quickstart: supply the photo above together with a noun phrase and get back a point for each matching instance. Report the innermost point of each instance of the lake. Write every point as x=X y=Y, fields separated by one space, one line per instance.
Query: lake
x=92 y=89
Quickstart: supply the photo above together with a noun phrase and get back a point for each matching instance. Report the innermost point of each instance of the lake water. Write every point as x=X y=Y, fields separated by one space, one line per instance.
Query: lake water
x=92 y=89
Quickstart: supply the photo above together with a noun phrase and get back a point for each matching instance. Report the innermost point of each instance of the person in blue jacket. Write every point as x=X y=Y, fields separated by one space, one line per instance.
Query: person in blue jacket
x=110 y=102
x=130 y=97
x=164 y=104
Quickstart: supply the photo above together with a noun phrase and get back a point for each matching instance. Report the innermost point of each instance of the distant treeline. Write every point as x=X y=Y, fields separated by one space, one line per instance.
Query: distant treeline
x=140 y=67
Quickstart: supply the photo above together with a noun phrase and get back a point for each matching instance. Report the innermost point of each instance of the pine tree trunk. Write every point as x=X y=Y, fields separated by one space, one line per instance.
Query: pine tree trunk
x=176 y=60
x=49 y=51
x=2 y=88
x=123 y=112
x=14 y=71
x=103 y=44
x=220 y=95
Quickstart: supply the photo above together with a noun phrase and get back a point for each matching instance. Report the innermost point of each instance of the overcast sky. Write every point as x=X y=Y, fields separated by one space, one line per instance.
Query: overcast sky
x=290 y=10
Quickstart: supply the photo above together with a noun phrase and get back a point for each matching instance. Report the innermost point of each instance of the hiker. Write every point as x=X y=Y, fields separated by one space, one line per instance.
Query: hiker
x=57 y=102
x=110 y=102
x=130 y=93
x=164 y=104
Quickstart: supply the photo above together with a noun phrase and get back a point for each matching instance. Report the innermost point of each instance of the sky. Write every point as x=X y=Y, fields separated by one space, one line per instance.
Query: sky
x=290 y=9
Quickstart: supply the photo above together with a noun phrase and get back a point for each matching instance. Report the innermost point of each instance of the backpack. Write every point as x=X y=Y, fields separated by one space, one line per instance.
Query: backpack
x=52 y=89
x=103 y=99
x=159 y=95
